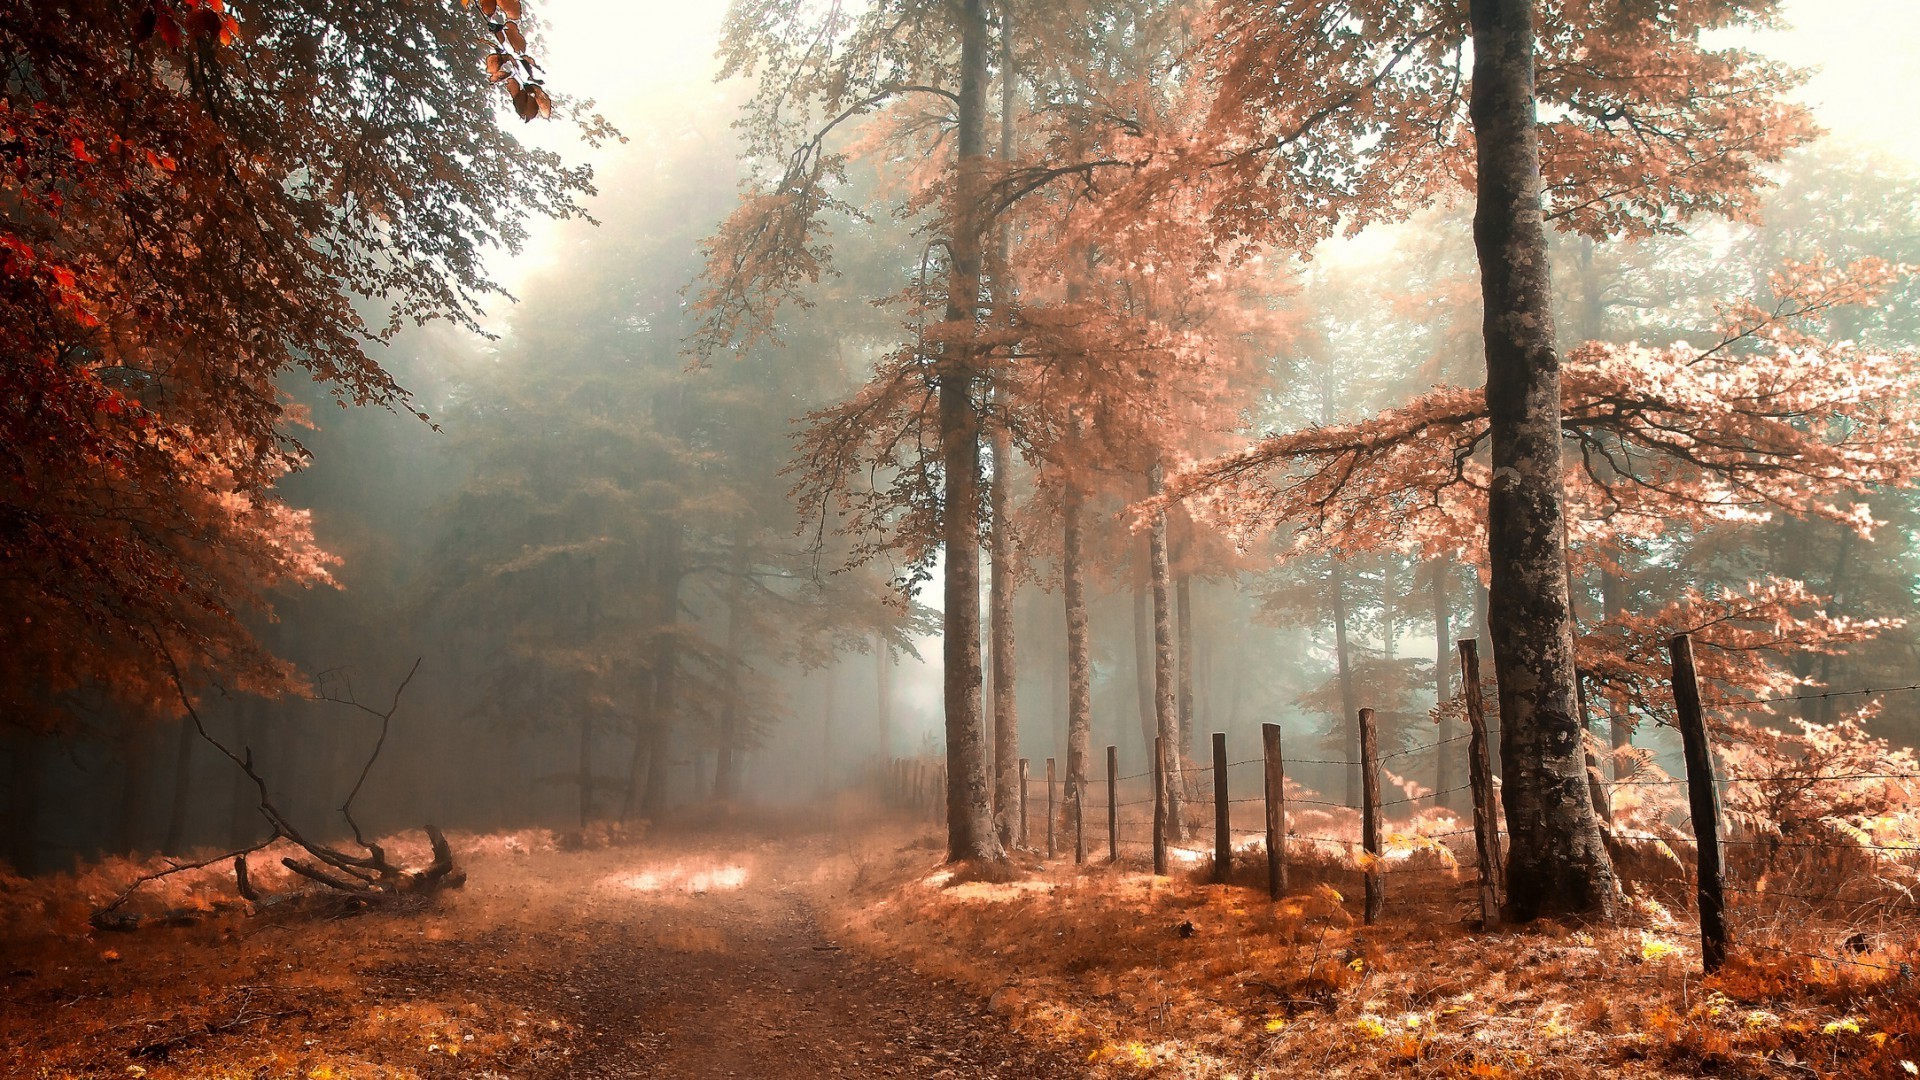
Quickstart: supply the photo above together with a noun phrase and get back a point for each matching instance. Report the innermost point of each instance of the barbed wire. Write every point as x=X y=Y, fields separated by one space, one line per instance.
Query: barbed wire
x=1730 y=703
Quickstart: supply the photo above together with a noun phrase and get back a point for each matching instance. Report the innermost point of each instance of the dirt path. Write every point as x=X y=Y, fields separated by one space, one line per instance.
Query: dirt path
x=676 y=957
x=706 y=959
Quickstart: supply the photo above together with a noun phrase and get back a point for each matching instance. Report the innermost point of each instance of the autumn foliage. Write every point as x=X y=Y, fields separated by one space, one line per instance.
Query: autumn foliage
x=202 y=202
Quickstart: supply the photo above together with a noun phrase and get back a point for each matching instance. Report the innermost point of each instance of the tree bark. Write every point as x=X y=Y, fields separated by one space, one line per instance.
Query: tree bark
x=726 y=774
x=970 y=833
x=1079 y=646
x=1166 y=715
x=1446 y=752
x=1557 y=862
x=1183 y=630
x=1349 y=694
x=1006 y=716
x=1143 y=663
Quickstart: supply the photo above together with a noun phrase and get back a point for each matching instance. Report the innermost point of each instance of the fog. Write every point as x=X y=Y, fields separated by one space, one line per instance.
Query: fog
x=582 y=507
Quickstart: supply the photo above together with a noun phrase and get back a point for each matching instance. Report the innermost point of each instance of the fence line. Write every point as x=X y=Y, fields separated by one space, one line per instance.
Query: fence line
x=1382 y=854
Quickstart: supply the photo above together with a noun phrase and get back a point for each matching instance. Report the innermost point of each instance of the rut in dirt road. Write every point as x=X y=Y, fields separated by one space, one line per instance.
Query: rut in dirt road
x=734 y=982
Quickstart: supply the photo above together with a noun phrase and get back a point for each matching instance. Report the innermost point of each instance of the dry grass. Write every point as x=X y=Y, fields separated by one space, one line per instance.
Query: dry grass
x=1173 y=977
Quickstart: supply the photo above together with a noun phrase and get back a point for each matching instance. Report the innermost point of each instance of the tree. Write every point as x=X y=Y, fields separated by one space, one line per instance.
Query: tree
x=1557 y=861
x=1359 y=119
x=184 y=227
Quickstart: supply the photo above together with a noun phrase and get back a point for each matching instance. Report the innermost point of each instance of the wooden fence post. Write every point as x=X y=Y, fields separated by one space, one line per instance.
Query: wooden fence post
x=1370 y=809
x=1113 y=804
x=1704 y=804
x=1159 y=805
x=1052 y=812
x=1486 y=828
x=1020 y=838
x=1276 y=792
x=1222 y=812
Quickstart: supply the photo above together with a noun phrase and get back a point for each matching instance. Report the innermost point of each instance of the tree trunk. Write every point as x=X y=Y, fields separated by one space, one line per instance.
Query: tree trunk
x=1006 y=716
x=970 y=833
x=726 y=776
x=666 y=672
x=827 y=710
x=883 y=664
x=1557 y=863
x=1143 y=666
x=1446 y=753
x=1166 y=715
x=1349 y=694
x=182 y=790
x=1183 y=629
x=1079 y=646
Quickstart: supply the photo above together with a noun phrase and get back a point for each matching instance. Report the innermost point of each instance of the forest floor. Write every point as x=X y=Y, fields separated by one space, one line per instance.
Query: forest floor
x=790 y=949
x=702 y=955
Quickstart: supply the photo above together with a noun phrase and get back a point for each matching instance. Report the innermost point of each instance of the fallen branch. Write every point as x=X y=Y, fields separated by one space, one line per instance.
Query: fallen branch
x=371 y=878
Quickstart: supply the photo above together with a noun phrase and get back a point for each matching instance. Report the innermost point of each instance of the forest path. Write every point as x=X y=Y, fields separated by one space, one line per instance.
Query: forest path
x=704 y=957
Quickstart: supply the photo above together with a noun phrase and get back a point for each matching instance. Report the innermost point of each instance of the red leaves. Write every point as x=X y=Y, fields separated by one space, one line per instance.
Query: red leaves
x=206 y=20
x=532 y=103
x=79 y=148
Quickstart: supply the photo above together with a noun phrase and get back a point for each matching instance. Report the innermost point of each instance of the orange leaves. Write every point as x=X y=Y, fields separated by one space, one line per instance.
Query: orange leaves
x=509 y=66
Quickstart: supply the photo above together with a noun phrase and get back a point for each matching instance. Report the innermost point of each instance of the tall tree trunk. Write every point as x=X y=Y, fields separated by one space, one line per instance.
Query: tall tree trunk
x=182 y=802
x=1183 y=630
x=883 y=665
x=666 y=671
x=828 y=707
x=970 y=833
x=1006 y=716
x=1166 y=714
x=1349 y=693
x=1557 y=862
x=1079 y=647
x=726 y=776
x=1483 y=634
x=1446 y=752
x=1143 y=664
x=584 y=586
